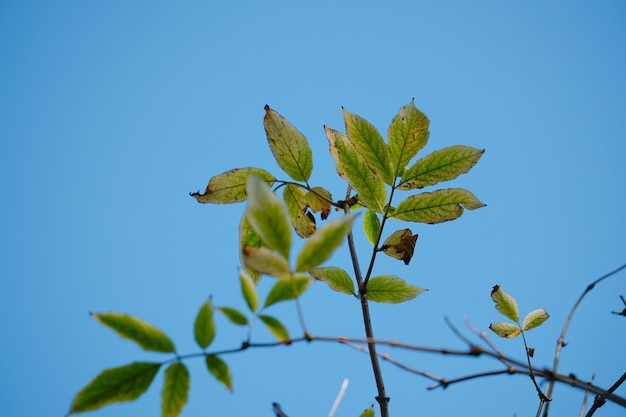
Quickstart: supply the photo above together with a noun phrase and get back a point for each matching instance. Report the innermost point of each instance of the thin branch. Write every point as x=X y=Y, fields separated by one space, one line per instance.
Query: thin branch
x=584 y=405
x=560 y=343
x=342 y=391
x=600 y=400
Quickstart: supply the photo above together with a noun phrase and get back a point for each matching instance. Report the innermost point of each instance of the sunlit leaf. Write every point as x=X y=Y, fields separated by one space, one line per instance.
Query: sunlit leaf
x=442 y=165
x=230 y=186
x=268 y=216
x=297 y=203
x=505 y=303
x=144 y=334
x=125 y=383
x=266 y=261
x=436 y=207
x=391 y=289
x=248 y=290
x=219 y=369
x=321 y=245
x=289 y=146
x=371 y=226
x=369 y=143
x=287 y=289
x=204 y=326
x=369 y=412
x=352 y=167
x=508 y=330
x=275 y=327
x=319 y=200
x=336 y=278
x=248 y=237
x=408 y=133
x=400 y=245
x=535 y=319
x=233 y=315
x=175 y=390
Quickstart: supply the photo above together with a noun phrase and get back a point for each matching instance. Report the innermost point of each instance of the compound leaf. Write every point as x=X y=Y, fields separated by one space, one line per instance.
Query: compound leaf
x=230 y=186
x=175 y=390
x=287 y=289
x=408 y=134
x=268 y=216
x=437 y=206
x=144 y=334
x=320 y=246
x=535 y=319
x=369 y=143
x=219 y=369
x=442 y=165
x=204 y=326
x=391 y=289
x=125 y=383
x=289 y=146
x=336 y=278
x=352 y=167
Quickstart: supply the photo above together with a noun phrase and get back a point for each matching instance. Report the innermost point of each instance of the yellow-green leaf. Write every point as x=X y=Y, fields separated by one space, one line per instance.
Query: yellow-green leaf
x=268 y=216
x=219 y=369
x=289 y=146
x=352 y=167
x=508 y=330
x=233 y=315
x=371 y=226
x=175 y=390
x=287 y=289
x=125 y=383
x=230 y=186
x=408 y=134
x=266 y=261
x=318 y=200
x=442 y=165
x=248 y=289
x=275 y=327
x=204 y=326
x=248 y=237
x=321 y=245
x=505 y=303
x=391 y=289
x=369 y=143
x=336 y=278
x=144 y=334
x=535 y=319
x=369 y=412
x=437 y=206
x=296 y=201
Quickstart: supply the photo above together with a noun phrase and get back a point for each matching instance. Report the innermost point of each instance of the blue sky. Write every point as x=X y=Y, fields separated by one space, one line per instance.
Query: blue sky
x=112 y=112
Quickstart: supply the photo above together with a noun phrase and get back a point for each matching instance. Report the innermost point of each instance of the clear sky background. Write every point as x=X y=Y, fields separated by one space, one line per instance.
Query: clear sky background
x=112 y=112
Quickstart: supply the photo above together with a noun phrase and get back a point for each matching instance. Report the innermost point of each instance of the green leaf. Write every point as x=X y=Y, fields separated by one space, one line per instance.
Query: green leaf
x=352 y=167
x=296 y=201
x=125 y=383
x=505 y=303
x=318 y=200
x=369 y=143
x=408 y=134
x=204 y=326
x=442 y=165
x=266 y=261
x=400 y=245
x=535 y=319
x=436 y=207
x=508 y=330
x=369 y=412
x=391 y=289
x=220 y=371
x=287 y=289
x=248 y=289
x=233 y=315
x=289 y=146
x=275 y=327
x=371 y=225
x=336 y=278
x=321 y=245
x=248 y=237
x=145 y=335
x=230 y=186
x=175 y=390
x=268 y=216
